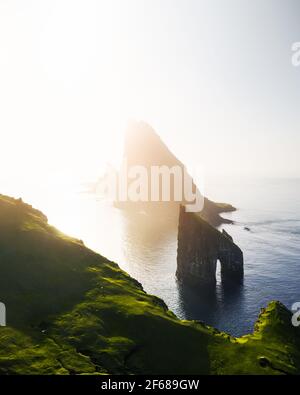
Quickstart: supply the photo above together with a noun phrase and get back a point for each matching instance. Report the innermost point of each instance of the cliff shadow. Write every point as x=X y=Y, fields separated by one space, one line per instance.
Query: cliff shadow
x=215 y=305
x=197 y=303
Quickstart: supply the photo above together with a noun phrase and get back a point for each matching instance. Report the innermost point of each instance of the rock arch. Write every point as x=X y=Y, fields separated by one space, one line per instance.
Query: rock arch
x=200 y=246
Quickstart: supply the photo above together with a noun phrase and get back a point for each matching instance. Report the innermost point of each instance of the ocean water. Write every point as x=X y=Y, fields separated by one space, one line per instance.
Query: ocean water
x=146 y=246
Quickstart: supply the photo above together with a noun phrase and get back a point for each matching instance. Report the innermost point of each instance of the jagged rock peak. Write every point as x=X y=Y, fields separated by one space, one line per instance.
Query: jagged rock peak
x=143 y=146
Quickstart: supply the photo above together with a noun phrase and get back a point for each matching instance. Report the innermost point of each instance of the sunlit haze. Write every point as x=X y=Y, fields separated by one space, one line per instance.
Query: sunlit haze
x=215 y=80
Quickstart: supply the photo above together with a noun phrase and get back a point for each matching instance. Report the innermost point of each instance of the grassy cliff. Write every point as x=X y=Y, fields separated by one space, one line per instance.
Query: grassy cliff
x=71 y=311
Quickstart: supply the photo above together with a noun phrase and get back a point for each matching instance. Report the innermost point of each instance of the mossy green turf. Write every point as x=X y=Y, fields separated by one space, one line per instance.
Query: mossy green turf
x=71 y=311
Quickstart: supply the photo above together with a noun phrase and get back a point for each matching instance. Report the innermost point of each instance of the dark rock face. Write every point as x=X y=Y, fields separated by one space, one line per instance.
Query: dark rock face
x=200 y=246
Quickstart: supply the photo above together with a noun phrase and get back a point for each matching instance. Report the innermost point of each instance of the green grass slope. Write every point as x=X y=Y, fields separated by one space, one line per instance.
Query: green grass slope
x=71 y=311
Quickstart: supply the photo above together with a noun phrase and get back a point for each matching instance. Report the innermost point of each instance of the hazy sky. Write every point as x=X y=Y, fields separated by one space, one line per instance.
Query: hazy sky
x=213 y=77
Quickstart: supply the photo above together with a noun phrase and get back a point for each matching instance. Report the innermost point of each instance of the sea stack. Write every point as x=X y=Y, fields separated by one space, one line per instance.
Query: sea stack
x=200 y=246
x=144 y=147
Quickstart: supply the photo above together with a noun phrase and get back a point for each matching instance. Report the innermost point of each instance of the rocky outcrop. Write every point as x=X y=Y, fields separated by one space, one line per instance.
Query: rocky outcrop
x=144 y=147
x=200 y=246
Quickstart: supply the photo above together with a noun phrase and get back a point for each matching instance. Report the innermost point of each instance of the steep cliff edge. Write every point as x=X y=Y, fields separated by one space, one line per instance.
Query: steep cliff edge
x=200 y=246
x=71 y=311
x=144 y=147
